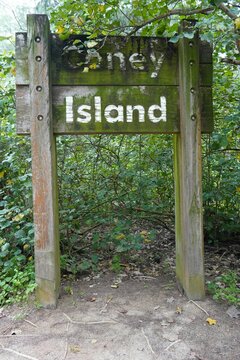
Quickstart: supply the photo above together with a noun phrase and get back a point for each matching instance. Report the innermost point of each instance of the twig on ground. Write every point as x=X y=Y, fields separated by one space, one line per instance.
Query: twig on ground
x=105 y=306
x=149 y=345
x=29 y=322
x=199 y=307
x=144 y=277
x=89 y=322
x=21 y=335
x=66 y=346
x=169 y=346
x=18 y=353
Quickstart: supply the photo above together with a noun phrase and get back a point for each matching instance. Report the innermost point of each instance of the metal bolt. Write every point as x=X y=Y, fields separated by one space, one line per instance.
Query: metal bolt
x=193 y=117
x=191 y=62
x=38 y=39
x=192 y=90
x=191 y=44
x=40 y=117
x=39 y=88
x=38 y=58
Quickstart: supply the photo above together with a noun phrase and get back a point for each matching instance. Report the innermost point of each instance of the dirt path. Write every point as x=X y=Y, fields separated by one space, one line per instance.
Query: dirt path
x=138 y=319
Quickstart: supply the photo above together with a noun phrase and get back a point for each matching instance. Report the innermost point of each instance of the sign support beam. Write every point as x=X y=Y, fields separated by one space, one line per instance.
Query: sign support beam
x=44 y=173
x=139 y=86
x=188 y=176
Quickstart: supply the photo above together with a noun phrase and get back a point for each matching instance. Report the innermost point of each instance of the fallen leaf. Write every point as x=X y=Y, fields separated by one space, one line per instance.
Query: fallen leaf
x=91 y=299
x=211 y=321
x=114 y=286
x=179 y=310
x=123 y=311
x=74 y=348
x=233 y=312
x=170 y=337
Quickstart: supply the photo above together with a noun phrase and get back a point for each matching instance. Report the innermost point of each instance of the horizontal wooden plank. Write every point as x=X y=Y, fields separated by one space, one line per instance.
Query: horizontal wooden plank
x=118 y=109
x=70 y=118
x=206 y=109
x=21 y=55
x=23 y=124
x=112 y=61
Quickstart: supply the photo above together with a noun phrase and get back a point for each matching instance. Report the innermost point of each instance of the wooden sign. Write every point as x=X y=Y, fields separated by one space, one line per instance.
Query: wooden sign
x=113 y=85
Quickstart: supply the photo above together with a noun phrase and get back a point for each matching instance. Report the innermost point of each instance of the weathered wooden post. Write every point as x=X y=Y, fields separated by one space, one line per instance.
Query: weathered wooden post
x=188 y=179
x=44 y=178
x=122 y=86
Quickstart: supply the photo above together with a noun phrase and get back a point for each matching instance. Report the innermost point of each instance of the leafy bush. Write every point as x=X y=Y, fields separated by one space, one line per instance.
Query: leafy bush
x=115 y=180
x=16 y=228
x=226 y=287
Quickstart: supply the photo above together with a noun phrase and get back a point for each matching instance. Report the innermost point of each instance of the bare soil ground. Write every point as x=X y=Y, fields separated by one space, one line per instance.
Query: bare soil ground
x=113 y=316
x=138 y=314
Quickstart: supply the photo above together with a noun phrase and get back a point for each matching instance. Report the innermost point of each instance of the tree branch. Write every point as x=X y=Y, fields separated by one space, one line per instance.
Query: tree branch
x=231 y=61
x=227 y=11
x=179 y=12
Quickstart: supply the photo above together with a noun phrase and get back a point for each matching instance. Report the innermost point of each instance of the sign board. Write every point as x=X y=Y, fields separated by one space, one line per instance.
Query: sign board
x=113 y=85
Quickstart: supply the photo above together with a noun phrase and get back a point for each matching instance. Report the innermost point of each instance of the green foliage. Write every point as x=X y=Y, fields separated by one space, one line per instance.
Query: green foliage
x=226 y=288
x=16 y=228
x=108 y=184
x=117 y=240
x=221 y=159
x=16 y=285
x=110 y=181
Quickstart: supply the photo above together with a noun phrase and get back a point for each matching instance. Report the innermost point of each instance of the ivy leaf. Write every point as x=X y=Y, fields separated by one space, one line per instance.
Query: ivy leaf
x=175 y=38
x=188 y=35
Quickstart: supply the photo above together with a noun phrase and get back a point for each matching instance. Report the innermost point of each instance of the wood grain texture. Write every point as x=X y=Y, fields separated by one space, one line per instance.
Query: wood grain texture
x=188 y=180
x=44 y=178
x=113 y=94
x=113 y=61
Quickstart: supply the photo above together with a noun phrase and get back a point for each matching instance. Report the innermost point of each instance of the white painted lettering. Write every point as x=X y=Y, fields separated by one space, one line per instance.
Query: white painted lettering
x=141 y=112
x=156 y=108
x=121 y=58
x=69 y=109
x=93 y=54
x=112 y=110
x=116 y=113
x=98 y=108
x=85 y=117
x=157 y=64
x=137 y=61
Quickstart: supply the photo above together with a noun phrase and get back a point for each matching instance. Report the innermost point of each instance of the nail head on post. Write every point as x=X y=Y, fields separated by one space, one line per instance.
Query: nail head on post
x=37 y=39
x=38 y=58
x=40 y=117
x=193 y=117
x=38 y=88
